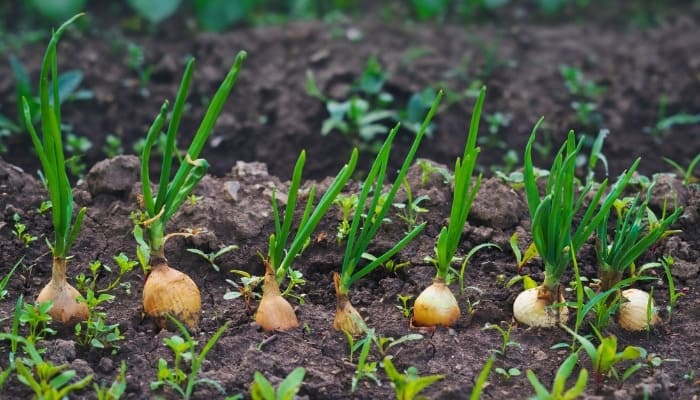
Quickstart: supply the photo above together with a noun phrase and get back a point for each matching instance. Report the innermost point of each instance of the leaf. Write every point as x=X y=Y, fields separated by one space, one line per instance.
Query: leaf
x=261 y=388
x=217 y=15
x=291 y=384
x=155 y=11
x=58 y=10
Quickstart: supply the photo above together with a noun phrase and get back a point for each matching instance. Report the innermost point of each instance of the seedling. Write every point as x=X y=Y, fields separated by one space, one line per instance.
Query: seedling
x=20 y=232
x=211 y=257
x=483 y=377
x=113 y=146
x=194 y=199
x=427 y=168
x=5 y=279
x=262 y=389
x=505 y=336
x=578 y=85
x=410 y=210
x=364 y=368
x=274 y=311
x=559 y=391
x=44 y=206
x=168 y=291
x=404 y=307
x=463 y=268
x=184 y=350
x=520 y=258
x=37 y=318
x=605 y=357
x=359 y=237
x=408 y=385
x=664 y=122
x=552 y=227
x=688 y=172
x=346 y=204
x=116 y=390
x=93 y=331
x=673 y=293
x=246 y=289
x=507 y=374
x=49 y=381
x=436 y=305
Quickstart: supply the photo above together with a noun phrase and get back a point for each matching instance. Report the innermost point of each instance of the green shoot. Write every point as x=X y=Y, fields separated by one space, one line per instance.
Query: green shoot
x=410 y=210
x=462 y=196
x=116 y=390
x=559 y=391
x=36 y=317
x=686 y=173
x=553 y=215
x=184 y=350
x=5 y=279
x=634 y=235
x=364 y=228
x=172 y=193
x=505 y=336
x=483 y=377
x=211 y=257
x=409 y=384
x=93 y=331
x=262 y=389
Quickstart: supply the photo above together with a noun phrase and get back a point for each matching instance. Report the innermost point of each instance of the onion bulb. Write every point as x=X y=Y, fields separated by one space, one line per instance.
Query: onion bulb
x=66 y=309
x=274 y=311
x=632 y=314
x=532 y=307
x=168 y=291
x=436 y=305
x=347 y=318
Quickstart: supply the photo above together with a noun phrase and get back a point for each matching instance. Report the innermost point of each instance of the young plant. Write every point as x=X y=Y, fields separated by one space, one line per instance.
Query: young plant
x=436 y=305
x=37 y=318
x=633 y=236
x=410 y=210
x=673 y=293
x=605 y=357
x=66 y=308
x=359 y=237
x=346 y=204
x=21 y=233
x=184 y=350
x=116 y=390
x=552 y=227
x=687 y=172
x=5 y=279
x=408 y=385
x=262 y=389
x=168 y=291
x=274 y=311
x=93 y=331
x=505 y=336
x=483 y=377
x=559 y=391
x=211 y=257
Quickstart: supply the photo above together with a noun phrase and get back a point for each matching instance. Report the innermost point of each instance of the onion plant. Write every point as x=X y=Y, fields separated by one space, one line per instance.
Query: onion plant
x=168 y=291
x=552 y=226
x=364 y=227
x=436 y=305
x=274 y=311
x=636 y=230
x=49 y=148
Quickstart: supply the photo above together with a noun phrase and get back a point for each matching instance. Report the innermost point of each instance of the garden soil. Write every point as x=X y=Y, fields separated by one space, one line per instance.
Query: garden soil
x=270 y=118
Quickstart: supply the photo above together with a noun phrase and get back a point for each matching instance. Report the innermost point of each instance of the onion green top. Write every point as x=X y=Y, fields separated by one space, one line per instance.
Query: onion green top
x=359 y=237
x=462 y=196
x=50 y=150
x=553 y=215
x=171 y=194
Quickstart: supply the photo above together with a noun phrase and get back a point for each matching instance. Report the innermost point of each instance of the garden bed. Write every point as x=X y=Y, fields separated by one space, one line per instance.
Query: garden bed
x=271 y=117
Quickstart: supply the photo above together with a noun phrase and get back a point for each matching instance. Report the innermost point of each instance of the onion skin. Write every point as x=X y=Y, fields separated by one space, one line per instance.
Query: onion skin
x=66 y=309
x=168 y=291
x=274 y=311
x=632 y=314
x=532 y=308
x=346 y=316
x=436 y=305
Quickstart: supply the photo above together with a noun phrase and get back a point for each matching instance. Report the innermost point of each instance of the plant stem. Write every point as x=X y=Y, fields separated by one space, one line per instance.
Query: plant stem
x=58 y=272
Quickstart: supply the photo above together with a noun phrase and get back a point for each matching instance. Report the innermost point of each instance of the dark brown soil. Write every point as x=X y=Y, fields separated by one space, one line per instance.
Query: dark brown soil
x=270 y=118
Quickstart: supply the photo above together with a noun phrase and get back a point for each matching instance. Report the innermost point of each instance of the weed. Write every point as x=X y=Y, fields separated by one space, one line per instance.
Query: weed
x=184 y=350
x=346 y=204
x=559 y=391
x=211 y=257
x=113 y=146
x=5 y=279
x=93 y=331
x=664 y=123
x=505 y=336
x=404 y=307
x=262 y=389
x=507 y=373
x=428 y=168
x=688 y=172
x=37 y=318
x=410 y=210
x=116 y=390
x=409 y=384
x=21 y=233
x=483 y=377
x=673 y=293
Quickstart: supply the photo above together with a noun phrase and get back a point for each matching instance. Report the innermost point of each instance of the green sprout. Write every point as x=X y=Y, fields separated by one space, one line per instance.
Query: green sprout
x=559 y=391
x=409 y=384
x=364 y=228
x=116 y=390
x=262 y=389
x=184 y=350
x=211 y=257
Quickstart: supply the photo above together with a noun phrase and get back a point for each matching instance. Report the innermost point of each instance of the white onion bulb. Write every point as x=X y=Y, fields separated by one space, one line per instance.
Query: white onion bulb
x=632 y=314
x=531 y=309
